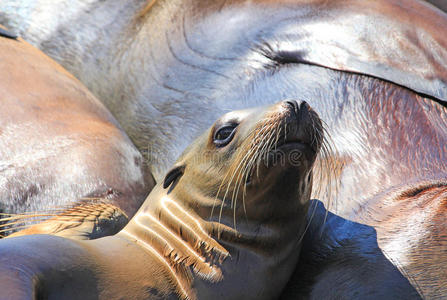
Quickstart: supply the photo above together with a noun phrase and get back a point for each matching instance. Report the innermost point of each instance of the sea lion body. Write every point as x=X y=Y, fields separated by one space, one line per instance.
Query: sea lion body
x=226 y=222
x=59 y=144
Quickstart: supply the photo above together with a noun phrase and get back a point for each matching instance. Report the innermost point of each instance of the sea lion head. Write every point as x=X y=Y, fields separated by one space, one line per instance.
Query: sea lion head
x=252 y=163
x=240 y=191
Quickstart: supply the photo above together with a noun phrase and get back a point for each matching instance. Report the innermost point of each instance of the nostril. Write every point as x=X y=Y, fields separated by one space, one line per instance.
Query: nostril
x=293 y=104
x=304 y=105
x=298 y=105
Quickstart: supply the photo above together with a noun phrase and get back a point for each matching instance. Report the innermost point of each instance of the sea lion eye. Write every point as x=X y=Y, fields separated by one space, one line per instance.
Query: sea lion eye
x=224 y=135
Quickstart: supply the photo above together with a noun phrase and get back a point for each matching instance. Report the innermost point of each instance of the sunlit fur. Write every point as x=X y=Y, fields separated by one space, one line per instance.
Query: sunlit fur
x=85 y=219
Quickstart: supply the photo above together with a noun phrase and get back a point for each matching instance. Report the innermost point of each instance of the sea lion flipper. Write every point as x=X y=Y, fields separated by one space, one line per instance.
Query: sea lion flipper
x=85 y=220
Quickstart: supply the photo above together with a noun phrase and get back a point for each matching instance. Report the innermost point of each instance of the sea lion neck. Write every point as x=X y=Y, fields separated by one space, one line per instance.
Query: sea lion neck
x=201 y=251
x=177 y=234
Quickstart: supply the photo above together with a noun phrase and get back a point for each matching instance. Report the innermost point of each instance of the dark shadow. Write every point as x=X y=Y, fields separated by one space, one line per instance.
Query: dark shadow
x=341 y=259
x=7 y=34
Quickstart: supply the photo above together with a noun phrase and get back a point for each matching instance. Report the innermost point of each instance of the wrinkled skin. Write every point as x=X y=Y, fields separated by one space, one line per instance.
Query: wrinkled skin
x=375 y=71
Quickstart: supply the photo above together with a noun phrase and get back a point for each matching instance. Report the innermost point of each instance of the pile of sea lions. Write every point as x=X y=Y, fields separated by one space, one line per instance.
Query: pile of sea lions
x=324 y=176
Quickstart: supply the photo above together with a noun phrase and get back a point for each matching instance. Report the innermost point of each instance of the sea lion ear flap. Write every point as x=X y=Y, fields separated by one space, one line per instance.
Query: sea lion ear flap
x=173 y=175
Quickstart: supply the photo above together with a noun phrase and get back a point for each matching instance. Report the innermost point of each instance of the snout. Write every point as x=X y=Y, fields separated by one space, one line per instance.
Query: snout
x=299 y=109
x=302 y=124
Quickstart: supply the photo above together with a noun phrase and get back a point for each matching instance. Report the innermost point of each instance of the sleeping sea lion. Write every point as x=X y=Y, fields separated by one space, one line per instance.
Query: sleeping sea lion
x=59 y=144
x=226 y=222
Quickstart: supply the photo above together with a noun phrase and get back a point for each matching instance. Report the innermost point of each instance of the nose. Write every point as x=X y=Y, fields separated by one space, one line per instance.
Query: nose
x=297 y=106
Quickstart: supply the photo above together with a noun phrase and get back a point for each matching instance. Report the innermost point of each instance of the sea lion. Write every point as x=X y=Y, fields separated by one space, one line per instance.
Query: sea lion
x=225 y=223
x=358 y=62
x=59 y=144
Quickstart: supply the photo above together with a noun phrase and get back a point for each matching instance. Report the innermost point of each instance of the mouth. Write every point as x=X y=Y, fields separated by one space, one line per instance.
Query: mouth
x=286 y=150
x=293 y=143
